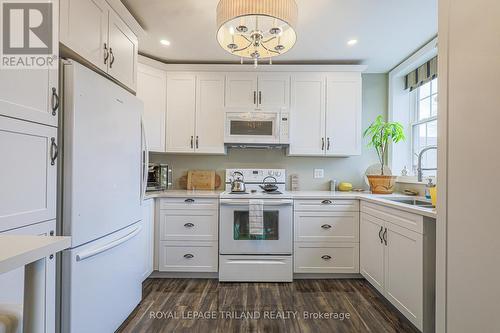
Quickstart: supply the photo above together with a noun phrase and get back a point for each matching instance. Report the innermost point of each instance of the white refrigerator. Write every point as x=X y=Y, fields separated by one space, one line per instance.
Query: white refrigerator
x=102 y=188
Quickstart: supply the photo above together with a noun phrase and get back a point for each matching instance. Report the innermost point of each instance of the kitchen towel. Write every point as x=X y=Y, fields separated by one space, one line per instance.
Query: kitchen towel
x=256 y=217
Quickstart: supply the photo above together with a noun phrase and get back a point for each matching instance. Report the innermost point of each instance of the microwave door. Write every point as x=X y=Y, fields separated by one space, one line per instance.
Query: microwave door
x=252 y=128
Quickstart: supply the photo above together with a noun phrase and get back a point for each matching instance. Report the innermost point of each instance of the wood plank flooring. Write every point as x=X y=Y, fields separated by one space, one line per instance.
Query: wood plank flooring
x=176 y=305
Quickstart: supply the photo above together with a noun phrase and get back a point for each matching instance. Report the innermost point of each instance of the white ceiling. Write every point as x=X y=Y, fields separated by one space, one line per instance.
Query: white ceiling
x=388 y=31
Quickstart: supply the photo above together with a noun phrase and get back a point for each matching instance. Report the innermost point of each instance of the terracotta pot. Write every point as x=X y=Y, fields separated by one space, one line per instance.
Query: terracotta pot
x=382 y=184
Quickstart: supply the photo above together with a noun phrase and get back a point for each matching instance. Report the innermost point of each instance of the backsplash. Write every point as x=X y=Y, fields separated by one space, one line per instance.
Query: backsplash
x=349 y=169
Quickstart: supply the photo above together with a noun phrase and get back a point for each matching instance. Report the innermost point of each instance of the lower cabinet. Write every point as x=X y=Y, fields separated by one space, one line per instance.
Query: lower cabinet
x=326 y=236
x=12 y=283
x=400 y=262
x=188 y=235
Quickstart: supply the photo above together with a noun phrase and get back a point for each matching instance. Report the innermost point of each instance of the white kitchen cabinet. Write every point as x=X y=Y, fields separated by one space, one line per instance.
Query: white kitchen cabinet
x=123 y=51
x=325 y=114
x=343 y=114
x=12 y=283
x=195 y=113
x=307 y=114
x=399 y=261
x=152 y=90
x=371 y=250
x=258 y=91
x=326 y=226
x=93 y=30
x=209 y=127
x=27 y=173
x=148 y=213
x=181 y=108
x=84 y=29
x=326 y=258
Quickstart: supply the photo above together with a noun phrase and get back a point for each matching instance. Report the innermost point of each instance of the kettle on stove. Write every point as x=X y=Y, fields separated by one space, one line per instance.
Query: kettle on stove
x=238 y=183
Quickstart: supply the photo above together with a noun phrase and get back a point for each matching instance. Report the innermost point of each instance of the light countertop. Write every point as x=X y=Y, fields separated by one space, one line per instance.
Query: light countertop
x=20 y=250
x=381 y=199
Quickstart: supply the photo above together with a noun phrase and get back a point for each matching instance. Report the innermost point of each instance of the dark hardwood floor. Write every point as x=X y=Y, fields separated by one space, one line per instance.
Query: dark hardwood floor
x=176 y=305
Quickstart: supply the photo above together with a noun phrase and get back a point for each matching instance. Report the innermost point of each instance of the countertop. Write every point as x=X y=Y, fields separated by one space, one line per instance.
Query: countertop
x=365 y=196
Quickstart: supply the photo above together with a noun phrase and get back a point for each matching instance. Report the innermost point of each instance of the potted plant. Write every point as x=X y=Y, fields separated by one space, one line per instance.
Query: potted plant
x=381 y=133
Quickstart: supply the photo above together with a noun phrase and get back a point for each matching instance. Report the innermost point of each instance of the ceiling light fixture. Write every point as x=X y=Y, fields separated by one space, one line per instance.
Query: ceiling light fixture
x=257 y=29
x=165 y=42
x=352 y=42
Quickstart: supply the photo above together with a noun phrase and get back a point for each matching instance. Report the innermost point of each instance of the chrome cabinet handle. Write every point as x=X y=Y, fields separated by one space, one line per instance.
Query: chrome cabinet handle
x=260 y=97
x=380 y=236
x=327 y=143
x=51 y=233
x=326 y=257
x=322 y=143
x=326 y=202
x=51 y=257
x=189 y=200
x=326 y=226
x=54 y=151
x=188 y=256
x=189 y=225
x=385 y=236
x=106 y=53
x=112 y=61
x=254 y=97
x=197 y=142
x=192 y=145
x=55 y=101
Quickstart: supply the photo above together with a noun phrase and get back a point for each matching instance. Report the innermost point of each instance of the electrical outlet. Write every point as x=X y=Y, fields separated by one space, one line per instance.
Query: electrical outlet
x=319 y=173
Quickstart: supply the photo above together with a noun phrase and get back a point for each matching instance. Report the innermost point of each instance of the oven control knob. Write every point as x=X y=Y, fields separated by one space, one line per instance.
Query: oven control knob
x=269 y=173
x=277 y=174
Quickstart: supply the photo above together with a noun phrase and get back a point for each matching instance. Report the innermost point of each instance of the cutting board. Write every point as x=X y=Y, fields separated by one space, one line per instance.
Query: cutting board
x=202 y=180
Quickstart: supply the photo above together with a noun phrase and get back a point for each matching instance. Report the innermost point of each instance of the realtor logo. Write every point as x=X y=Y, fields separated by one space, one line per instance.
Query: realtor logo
x=27 y=34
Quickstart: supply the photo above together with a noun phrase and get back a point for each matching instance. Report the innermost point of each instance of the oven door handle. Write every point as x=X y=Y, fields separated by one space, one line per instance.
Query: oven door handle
x=233 y=202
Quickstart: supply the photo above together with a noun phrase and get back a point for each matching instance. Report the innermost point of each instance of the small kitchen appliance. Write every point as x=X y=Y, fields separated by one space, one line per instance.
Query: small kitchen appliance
x=159 y=177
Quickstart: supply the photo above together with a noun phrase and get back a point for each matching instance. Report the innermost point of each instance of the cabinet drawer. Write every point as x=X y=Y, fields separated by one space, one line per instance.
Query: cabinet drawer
x=401 y=218
x=331 y=205
x=326 y=258
x=326 y=226
x=187 y=225
x=188 y=203
x=188 y=257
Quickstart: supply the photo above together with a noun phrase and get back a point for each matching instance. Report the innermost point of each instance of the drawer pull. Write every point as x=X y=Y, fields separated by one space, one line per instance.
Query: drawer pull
x=326 y=226
x=326 y=257
x=189 y=225
x=189 y=200
x=188 y=256
x=326 y=202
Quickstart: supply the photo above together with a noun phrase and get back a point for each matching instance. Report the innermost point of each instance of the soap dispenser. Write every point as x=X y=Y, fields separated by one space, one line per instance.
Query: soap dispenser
x=428 y=186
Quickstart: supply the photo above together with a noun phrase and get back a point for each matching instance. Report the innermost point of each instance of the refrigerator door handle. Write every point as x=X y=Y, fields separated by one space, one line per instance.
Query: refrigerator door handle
x=87 y=254
x=145 y=160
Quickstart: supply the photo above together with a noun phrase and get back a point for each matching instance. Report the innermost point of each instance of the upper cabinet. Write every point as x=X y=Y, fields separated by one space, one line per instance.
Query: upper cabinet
x=258 y=91
x=152 y=90
x=93 y=30
x=325 y=114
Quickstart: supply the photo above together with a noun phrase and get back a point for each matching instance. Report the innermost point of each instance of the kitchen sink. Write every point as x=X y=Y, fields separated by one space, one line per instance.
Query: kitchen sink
x=414 y=202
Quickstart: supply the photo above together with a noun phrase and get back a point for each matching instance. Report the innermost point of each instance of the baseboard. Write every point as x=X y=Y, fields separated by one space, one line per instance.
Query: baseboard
x=325 y=276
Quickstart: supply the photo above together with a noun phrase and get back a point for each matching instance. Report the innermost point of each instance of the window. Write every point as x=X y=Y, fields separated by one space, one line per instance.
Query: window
x=424 y=126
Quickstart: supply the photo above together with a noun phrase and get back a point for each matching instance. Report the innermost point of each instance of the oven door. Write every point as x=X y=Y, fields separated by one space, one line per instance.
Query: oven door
x=234 y=228
x=252 y=127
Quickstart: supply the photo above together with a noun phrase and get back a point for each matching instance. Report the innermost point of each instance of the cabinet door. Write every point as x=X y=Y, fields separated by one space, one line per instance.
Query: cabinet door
x=12 y=283
x=30 y=95
x=181 y=101
x=326 y=226
x=404 y=272
x=148 y=236
x=274 y=91
x=210 y=114
x=372 y=250
x=123 y=51
x=152 y=90
x=28 y=178
x=343 y=114
x=241 y=90
x=84 y=29
x=307 y=115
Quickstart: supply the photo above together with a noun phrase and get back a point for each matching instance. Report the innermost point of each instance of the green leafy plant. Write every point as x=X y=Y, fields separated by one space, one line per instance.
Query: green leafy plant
x=381 y=133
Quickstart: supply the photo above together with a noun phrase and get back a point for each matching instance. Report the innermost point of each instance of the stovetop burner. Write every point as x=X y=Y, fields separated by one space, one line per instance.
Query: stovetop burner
x=258 y=192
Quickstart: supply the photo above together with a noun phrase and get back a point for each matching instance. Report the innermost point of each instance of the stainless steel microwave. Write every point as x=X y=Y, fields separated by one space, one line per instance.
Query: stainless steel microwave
x=256 y=127
x=159 y=177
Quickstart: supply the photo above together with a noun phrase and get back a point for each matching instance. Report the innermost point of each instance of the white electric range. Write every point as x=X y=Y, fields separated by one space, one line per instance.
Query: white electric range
x=260 y=258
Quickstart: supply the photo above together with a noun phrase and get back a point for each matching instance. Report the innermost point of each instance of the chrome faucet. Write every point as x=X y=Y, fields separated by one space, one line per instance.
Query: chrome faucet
x=419 y=167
